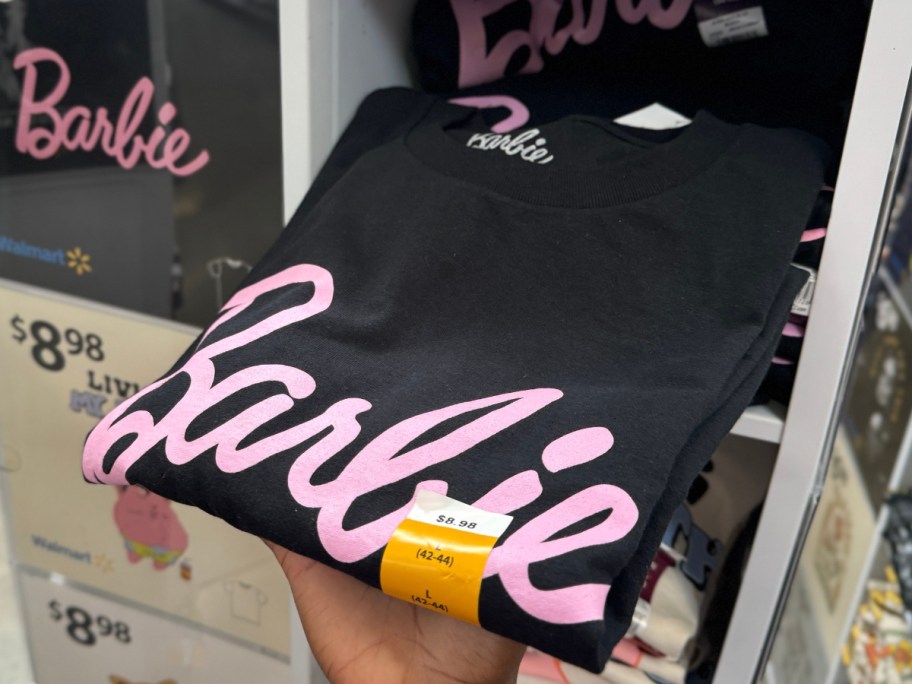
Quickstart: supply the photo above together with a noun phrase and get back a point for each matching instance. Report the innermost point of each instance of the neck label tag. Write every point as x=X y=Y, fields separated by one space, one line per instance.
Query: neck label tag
x=802 y=303
x=655 y=117
x=721 y=22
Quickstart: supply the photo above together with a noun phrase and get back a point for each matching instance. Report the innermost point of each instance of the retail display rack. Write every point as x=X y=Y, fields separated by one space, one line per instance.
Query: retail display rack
x=334 y=52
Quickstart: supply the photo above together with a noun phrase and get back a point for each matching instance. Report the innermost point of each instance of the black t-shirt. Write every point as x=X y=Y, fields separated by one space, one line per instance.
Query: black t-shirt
x=535 y=325
x=611 y=58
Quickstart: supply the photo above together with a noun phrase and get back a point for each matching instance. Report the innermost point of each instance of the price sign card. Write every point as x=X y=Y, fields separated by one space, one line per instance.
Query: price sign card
x=81 y=638
x=66 y=362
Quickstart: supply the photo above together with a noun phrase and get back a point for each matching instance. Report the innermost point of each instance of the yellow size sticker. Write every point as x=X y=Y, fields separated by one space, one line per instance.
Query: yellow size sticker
x=436 y=556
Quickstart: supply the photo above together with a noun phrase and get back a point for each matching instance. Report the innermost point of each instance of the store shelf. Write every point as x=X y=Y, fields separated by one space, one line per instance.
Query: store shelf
x=352 y=48
x=856 y=228
x=761 y=422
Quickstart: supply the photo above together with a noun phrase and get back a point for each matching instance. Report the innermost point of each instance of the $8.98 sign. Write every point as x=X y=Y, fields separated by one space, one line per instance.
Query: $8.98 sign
x=50 y=346
x=82 y=637
x=85 y=628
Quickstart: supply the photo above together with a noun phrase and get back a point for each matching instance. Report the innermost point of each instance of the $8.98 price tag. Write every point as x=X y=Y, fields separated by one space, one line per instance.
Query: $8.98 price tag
x=81 y=637
x=86 y=629
x=50 y=346
x=437 y=555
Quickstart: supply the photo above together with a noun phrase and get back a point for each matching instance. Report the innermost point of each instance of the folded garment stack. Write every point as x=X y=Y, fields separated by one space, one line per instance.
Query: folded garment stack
x=545 y=333
x=679 y=625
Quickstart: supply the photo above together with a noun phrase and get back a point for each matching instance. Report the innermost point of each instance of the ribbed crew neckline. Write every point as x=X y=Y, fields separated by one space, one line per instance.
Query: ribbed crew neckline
x=649 y=169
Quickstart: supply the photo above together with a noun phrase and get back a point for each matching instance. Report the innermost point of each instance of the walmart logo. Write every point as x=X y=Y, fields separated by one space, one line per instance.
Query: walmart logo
x=75 y=258
x=78 y=261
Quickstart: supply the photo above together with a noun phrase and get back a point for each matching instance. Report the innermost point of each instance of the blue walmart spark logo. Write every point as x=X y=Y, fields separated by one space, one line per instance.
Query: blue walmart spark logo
x=74 y=259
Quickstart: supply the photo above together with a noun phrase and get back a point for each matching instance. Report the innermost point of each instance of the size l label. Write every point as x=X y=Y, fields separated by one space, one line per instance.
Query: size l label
x=437 y=555
x=721 y=22
x=802 y=303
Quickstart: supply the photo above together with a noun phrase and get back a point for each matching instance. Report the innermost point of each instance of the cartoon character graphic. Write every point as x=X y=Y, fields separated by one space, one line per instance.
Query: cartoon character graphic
x=834 y=548
x=149 y=527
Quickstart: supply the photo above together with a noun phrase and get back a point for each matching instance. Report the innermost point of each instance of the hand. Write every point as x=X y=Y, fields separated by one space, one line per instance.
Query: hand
x=359 y=634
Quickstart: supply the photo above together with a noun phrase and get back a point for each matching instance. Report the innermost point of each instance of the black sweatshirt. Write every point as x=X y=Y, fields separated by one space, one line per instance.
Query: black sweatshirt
x=558 y=326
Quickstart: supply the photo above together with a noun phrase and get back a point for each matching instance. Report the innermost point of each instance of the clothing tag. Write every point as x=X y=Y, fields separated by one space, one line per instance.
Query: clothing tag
x=437 y=555
x=640 y=619
x=528 y=145
x=721 y=22
x=655 y=117
x=802 y=303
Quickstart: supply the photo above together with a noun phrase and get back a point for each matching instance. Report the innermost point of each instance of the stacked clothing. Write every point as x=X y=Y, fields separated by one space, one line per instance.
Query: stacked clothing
x=899 y=535
x=658 y=644
x=879 y=649
x=780 y=378
x=527 y=64
x=682 y=614
x=554 y=327
x=768 y=62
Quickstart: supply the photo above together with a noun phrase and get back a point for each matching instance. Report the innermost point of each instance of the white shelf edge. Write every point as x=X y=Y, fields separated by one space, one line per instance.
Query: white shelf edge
x=857 y=222
x=764 y=423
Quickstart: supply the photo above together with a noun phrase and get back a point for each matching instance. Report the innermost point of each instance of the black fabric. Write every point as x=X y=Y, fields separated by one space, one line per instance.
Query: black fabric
x=697 y=452
x=780 y=379
x=778 y=384
x=722 y=605
x=595 y=57
x=626 y=288
x=789 y=348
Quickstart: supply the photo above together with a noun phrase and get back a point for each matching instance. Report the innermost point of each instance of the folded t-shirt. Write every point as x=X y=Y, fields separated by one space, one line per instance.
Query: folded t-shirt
x=533 y=325
x=772 y=62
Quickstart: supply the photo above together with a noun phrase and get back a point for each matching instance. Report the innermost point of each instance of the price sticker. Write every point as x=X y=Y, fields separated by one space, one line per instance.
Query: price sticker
x=48 y=343
x=721 y=22
x=84 y=628
x=436 y=556
x=802 y=304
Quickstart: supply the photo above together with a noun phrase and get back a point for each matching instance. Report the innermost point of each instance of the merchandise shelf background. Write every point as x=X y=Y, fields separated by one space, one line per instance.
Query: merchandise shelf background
x=335 y=53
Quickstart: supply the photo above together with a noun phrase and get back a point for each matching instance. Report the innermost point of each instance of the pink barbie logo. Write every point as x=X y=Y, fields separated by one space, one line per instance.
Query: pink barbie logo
x=80 y=128
x=478 y=64
x=385 y=460
x=518 y=113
